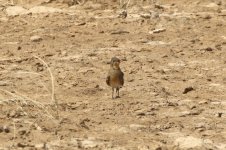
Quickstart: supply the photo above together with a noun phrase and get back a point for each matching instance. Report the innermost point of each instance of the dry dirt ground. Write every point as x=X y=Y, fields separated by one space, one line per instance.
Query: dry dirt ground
x=173 y=56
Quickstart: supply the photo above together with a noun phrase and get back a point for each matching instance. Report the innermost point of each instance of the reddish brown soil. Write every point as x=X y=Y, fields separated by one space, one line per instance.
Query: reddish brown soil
x=174 y=78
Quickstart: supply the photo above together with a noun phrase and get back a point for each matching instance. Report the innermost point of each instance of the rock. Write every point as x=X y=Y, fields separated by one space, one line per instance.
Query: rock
x=64 y=53
x=16 y=10
x=80 y=23
x=68 y=2
x=146 y=16
x=40 y=146
x=207 y=16
x=6 y=129
x=188 y=142
x=35 y=38
x=140 y=112
x=123 y=14
x=157 y=43
x=3 y=83
x=152 y=147
x=200 y=125
x=143 y=147
x=137 y=126
x=89 y=143
x=22 y=145
x=22 y=131
x=154 y=14
x=219 y=114
x=120 y=32
x=203 y=102
x=188 y=113
x=123 y=130
x=157 y=30
x=44 y=9
x=12 y=114
x=4 y=19
x=211 y=5
x=188 y=89
x=209 y=49
x=86 y=69
x=223 y=13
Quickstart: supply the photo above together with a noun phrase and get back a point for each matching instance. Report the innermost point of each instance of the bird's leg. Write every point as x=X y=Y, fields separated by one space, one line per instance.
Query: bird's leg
x=112 y=93
x=117 y=91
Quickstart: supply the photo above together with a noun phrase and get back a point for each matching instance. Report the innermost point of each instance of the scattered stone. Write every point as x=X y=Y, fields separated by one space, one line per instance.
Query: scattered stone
x=40 y=146
x=120 y=32
x=6 y=129
x=212 y=5
x=48 y=1
x=140 y=113
x=123 y=14
x=203 y=102
x=19 y=48
x=200 y=125
x=16 y=10
x=44 y=9
x=159 y=6
x=36 y=38
x=154 y=14
x=157 y=30
x=81 y=24
x=22 y=145
x=123 y=130
x=22 y=131
x=137 y=127
x=157 y=43
x=152 y=147
x=219 y=114
x=207 y=17
x=208 y=49
x=146 y=16
x=89 y=143
x=188 y=89
x=12 y=114
x=188 y=142
x=123 y=59
x=3 y=83
x=188 y=113
x=86 y=69
x=4 y=19
x=83 y=123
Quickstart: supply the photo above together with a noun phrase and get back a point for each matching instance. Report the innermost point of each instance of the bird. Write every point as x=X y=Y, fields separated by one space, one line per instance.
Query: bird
x=115 y=77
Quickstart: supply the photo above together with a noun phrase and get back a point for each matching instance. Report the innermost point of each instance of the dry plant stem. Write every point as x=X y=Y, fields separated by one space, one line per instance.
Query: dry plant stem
x=52 y=83
x=34 y=73
x=80 y=3
x=13 y=95
x=25 y=99
x=126 y=4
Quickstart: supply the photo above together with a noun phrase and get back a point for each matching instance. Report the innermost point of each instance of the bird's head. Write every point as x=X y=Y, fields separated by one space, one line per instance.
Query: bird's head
x=115 y=62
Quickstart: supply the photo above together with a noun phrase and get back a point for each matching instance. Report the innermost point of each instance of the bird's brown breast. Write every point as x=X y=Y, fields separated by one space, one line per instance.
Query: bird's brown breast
x=115 y=78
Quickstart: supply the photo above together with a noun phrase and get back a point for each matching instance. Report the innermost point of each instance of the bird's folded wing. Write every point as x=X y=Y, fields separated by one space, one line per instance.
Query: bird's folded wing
x=122 y=78
x=108 y=80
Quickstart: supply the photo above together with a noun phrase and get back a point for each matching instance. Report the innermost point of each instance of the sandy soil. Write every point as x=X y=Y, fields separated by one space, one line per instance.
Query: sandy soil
x=173 y=57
